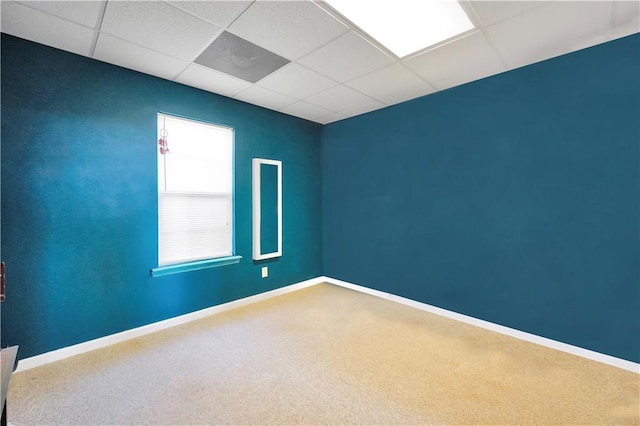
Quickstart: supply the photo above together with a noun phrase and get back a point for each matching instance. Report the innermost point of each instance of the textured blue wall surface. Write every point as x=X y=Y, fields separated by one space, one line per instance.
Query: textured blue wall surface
x=79 y=200
x=513 y=199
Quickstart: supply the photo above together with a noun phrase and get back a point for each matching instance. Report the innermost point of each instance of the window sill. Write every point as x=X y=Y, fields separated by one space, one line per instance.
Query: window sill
x=194 y=266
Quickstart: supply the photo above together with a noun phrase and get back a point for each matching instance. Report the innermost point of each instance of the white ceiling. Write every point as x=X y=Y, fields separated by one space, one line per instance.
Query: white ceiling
x=336 y=71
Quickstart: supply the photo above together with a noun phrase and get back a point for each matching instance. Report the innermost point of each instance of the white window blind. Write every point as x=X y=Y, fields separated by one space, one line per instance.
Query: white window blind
x=195 y=191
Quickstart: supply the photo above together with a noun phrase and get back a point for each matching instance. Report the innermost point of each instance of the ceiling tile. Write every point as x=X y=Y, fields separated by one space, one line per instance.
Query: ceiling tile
x=31 y=24
x=122 y=53
x=339 y=98
x=81 y=12
x=158 y=26
x=334 y=116
x=624 y=30
x=306 y=111
x=601 y=37
x=625 y=12
x=296 y=81
x=407 y=95
x=386 y=82
x=545 y=31
x=492 y=12
x=213 y=81
x=363 y=109
x=463 y=60
x=289 y=28
x=266 y=98
x=347 y=57
x=219 y=13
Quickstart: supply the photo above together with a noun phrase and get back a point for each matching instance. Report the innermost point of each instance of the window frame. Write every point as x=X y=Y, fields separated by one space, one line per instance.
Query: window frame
x=185 y=266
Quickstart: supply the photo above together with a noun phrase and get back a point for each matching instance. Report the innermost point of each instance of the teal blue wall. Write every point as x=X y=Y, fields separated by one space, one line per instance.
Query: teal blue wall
x=513 y=199
x=79 y=198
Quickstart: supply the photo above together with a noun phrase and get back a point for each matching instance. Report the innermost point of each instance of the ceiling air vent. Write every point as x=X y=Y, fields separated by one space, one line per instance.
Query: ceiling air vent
x=240 y=58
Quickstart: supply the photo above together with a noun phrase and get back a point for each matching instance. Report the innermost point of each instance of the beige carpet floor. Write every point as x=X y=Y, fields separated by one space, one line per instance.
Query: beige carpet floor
x=325 y=355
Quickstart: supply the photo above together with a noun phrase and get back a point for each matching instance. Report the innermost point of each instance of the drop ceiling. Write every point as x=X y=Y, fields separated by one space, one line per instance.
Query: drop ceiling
x=332 y=70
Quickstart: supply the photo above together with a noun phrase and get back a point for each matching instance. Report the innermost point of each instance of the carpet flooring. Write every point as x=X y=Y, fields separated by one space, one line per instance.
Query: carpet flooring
x=325 y=355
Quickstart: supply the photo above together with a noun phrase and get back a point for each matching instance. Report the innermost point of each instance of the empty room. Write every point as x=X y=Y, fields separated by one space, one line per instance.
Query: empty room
x=320 y=212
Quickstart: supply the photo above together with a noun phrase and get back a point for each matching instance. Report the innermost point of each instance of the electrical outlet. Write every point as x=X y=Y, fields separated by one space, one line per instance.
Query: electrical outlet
x=265 y=271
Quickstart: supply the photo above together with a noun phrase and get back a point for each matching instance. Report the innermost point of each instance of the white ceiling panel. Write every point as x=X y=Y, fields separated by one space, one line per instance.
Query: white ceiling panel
x=213 y=81
x=598 y=38
x=362 y=109
x=122 y=53
x=331 y=118
x=463 y=60
x=347 y=57
x=406 y=95
x=31 y=24
x=625 y=13
x=339 y=98
x=296 y=81
x=492 y=12
x=158 y=26
x=81 y=12
x=542 y=32
x=266 y=98
x=623 y=31
x=386 y=82
x=220 y=13
x=334 y=116
x=289 y=28
x=306 y=111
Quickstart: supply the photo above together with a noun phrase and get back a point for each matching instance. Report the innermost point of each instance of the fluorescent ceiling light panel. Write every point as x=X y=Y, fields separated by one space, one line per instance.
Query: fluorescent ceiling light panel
x=405 y=26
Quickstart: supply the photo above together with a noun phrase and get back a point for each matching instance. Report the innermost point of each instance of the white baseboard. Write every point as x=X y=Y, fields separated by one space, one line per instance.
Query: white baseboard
x=59 y=354
x=554 y=344
x=69 y=351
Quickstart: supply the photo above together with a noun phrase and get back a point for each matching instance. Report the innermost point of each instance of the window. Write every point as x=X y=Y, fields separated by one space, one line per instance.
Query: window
x=195 y=191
